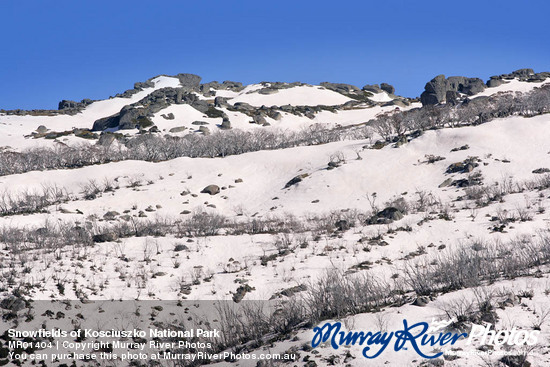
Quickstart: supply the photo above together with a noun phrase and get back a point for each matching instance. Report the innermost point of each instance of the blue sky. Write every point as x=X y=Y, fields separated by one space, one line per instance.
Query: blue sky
x=53 y=50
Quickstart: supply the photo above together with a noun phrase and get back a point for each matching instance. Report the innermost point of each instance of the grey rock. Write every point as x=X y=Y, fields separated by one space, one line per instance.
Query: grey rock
x=189 y=81
x=12 y=303
x=472 y=86
x=143 y=85
x=523 y=73
x=435 y=91
x=342 y=225
x=495 y=82
x=177 y=129
x=204 y=130
x=340 y=87
x=226 y=124
x=452 y=96
x=244 y=106
x=374 y=88
x=105 y=237
x=206 y=87
x=105 y=139
x=220 y=102
x=42 y=129
x=276 y=115
x=132 y=117
x=446 y=183
x=169 y=116
x=388 y=88
x=111 y=215
x=390 y=213
x=211 y=189
x=421 y=301
x=201 y=106
x=199 y=123
x=295 y=180
x=268 y=91
x=180 y=247
x=259 y=119
x=396 y=102
x=229 y=85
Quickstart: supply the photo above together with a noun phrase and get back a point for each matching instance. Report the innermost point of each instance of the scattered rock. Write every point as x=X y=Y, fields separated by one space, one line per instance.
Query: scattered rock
x=180 y=247
x=110 y=215
x=296 y=180
x=12 y=303
x=421 y=301
x=105 y=237
x=226 y=124
x=388 y=215
x=211 y=189
x=259 y=119
x=446 y=183
x=42 y=129
x=342 y=225
x=177 y=129
x=241 y=292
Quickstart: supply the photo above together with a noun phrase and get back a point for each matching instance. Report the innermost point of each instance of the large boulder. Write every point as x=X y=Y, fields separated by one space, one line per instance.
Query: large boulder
x=388 y=88
x=373 y=88
x=388 y=215
x=259 y=119
x=436 y=89
x=220 y=102
x=211 y=189
x=130 y=117
x=189 y=82
x=495 y=81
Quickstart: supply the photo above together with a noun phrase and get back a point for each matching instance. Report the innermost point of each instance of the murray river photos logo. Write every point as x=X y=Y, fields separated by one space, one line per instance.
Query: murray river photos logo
x=419 y=337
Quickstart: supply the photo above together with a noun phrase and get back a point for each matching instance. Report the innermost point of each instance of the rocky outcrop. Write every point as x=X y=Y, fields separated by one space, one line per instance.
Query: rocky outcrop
x=436 y=89
x=495 y=81
x=72 y=107
x=341 y=88
x=189 y=82
x=208 y=88
x=138 y=115
x=525 y=75
x=388 y=88
x=373 y=88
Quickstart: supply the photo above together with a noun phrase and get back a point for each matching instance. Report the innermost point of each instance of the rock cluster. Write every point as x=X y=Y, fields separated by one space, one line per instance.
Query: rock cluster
x=526 y=75
x=437 y=90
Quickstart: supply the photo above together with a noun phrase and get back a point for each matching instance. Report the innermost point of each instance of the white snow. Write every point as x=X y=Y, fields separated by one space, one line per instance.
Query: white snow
x=298 y=96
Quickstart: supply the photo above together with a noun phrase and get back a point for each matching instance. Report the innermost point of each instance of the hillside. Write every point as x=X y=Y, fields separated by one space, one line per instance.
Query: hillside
x=327 y=202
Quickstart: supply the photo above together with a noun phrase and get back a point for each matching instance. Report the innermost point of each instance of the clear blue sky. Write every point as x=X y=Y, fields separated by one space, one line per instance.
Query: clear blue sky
x=53 y=50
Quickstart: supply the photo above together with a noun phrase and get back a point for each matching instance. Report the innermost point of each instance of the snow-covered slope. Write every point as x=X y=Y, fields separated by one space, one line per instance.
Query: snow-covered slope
x=267 y=224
